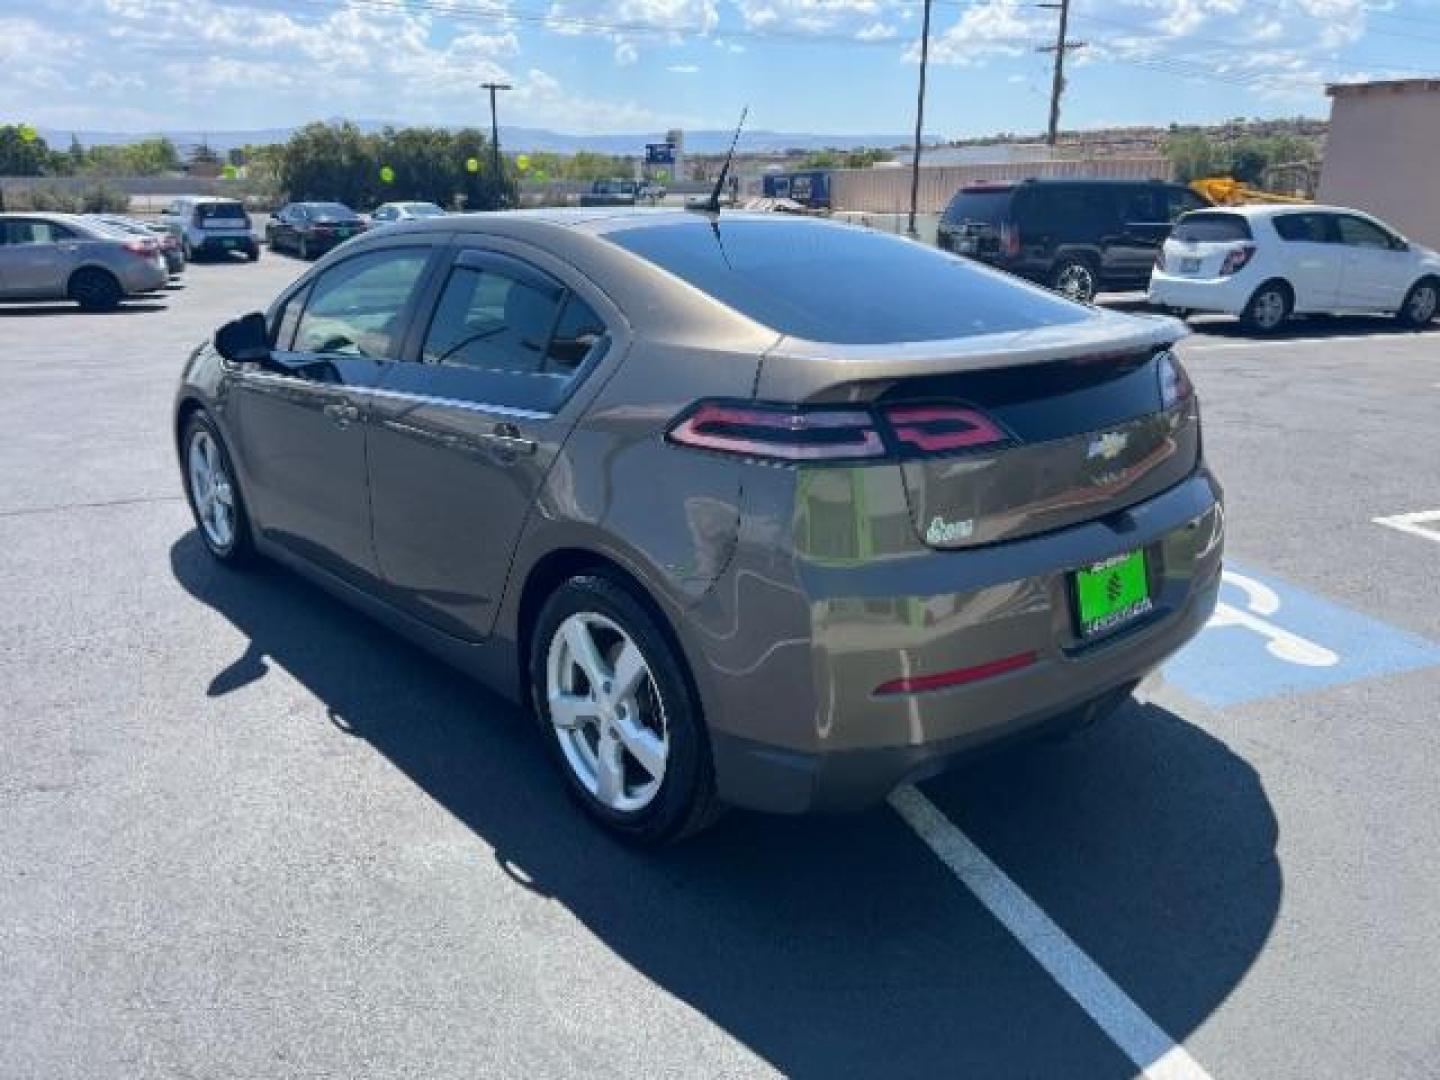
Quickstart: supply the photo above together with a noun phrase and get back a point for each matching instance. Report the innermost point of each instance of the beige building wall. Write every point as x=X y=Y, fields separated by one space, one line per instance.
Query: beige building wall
x=1383 y=154
x=887 y=189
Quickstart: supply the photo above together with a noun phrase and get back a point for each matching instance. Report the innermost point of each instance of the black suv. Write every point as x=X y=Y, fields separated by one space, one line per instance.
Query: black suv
x=1077 y=236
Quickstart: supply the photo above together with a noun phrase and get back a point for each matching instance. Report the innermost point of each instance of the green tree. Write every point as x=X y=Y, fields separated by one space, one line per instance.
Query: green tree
x=22 y=152
x=1194 y=155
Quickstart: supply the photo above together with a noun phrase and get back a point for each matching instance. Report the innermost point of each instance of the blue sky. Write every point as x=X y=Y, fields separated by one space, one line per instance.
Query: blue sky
x=834 y=66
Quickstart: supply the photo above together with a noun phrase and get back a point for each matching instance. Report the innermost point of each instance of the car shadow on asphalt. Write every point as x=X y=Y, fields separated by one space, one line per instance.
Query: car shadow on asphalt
x=831 y=946
x=64 y=307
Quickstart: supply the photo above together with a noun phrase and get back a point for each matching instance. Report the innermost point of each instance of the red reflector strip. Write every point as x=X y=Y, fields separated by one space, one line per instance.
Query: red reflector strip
x=919 y=684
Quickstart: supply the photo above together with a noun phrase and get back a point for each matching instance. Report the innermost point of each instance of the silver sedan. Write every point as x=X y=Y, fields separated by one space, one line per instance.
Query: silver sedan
x=66 y=257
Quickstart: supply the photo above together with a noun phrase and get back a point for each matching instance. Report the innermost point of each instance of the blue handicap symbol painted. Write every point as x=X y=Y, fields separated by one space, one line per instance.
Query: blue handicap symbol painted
x=1268 y=638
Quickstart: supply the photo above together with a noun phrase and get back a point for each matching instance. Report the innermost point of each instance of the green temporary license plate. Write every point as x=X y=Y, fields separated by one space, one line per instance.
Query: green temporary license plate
x=1111 y=593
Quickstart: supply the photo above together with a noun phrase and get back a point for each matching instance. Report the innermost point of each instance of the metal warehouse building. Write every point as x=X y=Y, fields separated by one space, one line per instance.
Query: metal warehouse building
x=1383 y=153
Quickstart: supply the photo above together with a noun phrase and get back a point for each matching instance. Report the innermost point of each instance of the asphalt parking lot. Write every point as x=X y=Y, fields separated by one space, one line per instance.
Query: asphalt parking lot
x=247 y=832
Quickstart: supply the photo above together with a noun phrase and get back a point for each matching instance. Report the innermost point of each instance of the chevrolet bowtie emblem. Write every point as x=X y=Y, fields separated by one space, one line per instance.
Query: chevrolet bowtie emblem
x=1108 y=446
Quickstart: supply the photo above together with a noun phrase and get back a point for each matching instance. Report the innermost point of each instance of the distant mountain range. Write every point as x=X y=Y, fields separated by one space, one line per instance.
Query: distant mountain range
x=511 y=138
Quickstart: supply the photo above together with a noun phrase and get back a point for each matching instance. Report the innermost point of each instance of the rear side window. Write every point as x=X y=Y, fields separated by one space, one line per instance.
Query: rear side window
x=841 y=284
x=355 y=306
x=990 y=206
x=1142 y=204
x=1068 y=211
x=17 y=233
x=1304 y=228
x=1207 y=226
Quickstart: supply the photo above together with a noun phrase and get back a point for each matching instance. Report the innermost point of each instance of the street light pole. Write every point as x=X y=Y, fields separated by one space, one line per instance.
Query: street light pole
x=919 y=119
x=495 y=134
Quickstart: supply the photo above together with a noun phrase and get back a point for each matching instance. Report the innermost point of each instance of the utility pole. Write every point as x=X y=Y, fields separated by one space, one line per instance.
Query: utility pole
x=919 y=120
x=1060 y=48
x=495 y=136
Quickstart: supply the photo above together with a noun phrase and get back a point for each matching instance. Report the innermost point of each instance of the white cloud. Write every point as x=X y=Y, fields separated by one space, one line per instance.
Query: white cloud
x=986 y=30
x=626 y=53
x=683 y=69
x=875 y=31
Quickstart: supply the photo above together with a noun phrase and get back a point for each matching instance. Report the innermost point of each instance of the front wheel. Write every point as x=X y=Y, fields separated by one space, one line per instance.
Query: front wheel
x=619 y=714
x=213 y=494
x=1421 y=304
x=1075 y=279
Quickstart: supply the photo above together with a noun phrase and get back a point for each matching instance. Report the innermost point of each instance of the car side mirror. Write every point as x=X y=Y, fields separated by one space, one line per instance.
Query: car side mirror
x=245 y=340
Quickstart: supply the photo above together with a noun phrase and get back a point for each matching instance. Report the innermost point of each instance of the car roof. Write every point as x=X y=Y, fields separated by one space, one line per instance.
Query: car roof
x=1264 y=210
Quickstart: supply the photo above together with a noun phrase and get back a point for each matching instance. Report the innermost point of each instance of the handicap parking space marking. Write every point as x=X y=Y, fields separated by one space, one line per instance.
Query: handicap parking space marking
x=1422 y=523
x=1268 y=638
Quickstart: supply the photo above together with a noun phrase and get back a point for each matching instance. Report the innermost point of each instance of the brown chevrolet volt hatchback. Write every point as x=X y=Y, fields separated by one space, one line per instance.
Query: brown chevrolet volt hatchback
x=750 y=509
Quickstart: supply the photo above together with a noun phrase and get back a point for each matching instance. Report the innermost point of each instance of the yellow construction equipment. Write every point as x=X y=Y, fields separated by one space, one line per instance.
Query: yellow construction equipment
x=1227 y=191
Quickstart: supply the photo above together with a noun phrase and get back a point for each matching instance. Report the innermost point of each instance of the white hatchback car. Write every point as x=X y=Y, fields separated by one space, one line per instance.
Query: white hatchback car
x=1266 y=263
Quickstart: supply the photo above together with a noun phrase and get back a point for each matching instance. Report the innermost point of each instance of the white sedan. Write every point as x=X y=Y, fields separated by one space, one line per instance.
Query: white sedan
x=1266 y=263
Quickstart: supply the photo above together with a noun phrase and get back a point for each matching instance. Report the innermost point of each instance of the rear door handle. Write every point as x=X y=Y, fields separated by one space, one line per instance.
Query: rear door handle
x=342 y=412
x=507 y=436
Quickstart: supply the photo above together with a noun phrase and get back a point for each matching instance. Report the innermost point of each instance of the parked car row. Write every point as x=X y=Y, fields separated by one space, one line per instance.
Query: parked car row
x=1263 y=263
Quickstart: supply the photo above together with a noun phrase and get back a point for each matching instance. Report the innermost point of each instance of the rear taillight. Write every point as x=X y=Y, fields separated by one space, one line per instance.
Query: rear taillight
x=1175 y=385
x=780 y=433
x=836 y=433
x=1009 y=239
x=143 y=248
x=1236 y=258
x=940 y=429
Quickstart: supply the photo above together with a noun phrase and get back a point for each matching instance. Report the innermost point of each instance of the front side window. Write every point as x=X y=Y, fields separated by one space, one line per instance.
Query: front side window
x=1141 y=205
x=285 y=321
x=1180 y=200
x=355 y=307
x=1357 y=232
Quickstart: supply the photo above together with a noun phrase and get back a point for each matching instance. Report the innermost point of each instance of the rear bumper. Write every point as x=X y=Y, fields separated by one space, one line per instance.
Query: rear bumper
x=1228 y=295
x=143 y=275
x=807 y=732
x=219 y=245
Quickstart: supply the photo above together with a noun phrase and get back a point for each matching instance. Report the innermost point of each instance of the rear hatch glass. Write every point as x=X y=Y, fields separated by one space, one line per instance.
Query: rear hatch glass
x=1209 y=227
x=222 y=215
x=974 y=219
x=841 y=284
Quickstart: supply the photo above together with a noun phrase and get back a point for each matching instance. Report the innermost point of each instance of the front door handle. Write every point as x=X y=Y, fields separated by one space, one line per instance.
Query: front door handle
x=342 y=412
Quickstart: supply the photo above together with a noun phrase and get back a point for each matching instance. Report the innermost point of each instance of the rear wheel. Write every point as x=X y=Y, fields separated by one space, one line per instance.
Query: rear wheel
x=1421 y=304
x=95 y=290
x=1076 y=279
x=253 y=252
x=303 y=248
x=1268 y=308
x=619 y=714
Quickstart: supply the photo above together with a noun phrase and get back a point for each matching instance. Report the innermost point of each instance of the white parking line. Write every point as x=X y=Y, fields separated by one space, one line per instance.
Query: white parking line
x=1153 y=1052
x=1414 y=524
x=1281 y=342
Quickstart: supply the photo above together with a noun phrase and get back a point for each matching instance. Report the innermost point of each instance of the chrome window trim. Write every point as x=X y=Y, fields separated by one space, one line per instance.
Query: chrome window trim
x=451 y=403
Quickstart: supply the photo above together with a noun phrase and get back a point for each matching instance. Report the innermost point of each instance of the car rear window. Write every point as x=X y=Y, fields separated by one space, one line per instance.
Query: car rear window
x=330 y=209
x=988 y=205
x=841 y=284
x=220 y=210
x=1208 y=226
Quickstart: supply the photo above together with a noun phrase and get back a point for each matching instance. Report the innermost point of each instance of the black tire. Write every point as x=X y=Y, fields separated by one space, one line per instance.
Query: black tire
x=240 y=550
x=1269 y=308
x=686 y=801
x=253 y=252
x=1076 y=277
x=303 y=249
x=95 y=290
x=191 y=255
x=1422 y=304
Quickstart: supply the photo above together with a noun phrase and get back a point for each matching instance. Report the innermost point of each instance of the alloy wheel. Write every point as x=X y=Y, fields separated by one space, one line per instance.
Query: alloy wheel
x=1269 y=309
x=1076 y=282
x=606 y=712
x=1423 y=302
x=211 y=490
